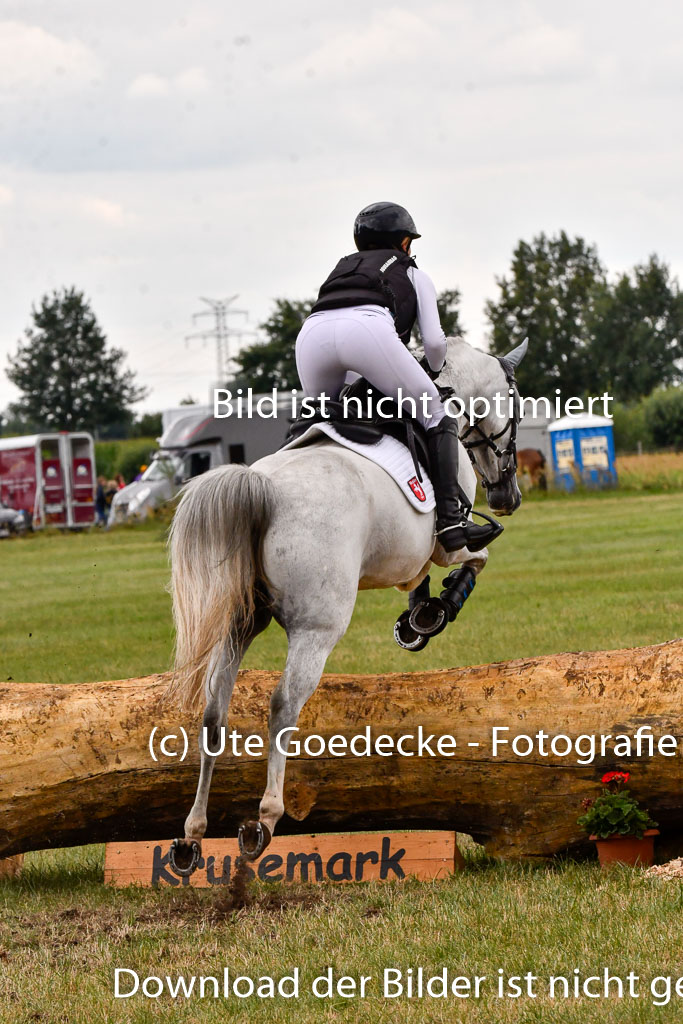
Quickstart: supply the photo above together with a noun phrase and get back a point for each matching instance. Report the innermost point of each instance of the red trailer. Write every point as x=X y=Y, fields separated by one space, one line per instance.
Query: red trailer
x=51 y=477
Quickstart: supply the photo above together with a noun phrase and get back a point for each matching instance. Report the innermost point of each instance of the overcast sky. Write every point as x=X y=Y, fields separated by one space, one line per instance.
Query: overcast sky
x=155 y=152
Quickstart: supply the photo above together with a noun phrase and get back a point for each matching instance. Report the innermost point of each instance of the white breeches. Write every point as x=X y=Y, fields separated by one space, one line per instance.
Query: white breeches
x=363 y=340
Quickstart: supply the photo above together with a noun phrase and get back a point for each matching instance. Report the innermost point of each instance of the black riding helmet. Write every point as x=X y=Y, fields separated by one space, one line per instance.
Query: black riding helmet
x=382 y=226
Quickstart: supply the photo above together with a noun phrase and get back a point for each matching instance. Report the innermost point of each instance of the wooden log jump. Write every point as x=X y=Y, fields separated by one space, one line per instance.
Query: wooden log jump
x=76 y=767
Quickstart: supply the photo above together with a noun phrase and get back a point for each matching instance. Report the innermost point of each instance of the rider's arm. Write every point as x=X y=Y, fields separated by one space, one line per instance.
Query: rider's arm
x=431 y=332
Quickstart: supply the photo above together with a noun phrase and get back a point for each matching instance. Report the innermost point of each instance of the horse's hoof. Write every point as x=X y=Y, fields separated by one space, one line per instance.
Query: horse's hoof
x=406 y=637
x=183 y=857
x=428 y=618
x=253 y=837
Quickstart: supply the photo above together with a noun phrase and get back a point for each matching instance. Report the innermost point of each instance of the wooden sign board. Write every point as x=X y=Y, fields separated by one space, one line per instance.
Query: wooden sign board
x=343 y=857
x=10 y=867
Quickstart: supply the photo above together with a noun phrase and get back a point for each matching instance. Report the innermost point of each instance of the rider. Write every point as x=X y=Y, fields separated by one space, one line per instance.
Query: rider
x=362 y=322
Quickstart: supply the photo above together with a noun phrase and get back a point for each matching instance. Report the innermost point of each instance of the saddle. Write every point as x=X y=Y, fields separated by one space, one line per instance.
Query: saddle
x=364 y=429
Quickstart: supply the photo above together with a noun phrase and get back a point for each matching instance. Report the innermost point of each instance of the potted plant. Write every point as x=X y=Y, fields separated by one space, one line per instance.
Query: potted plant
x=623 y=832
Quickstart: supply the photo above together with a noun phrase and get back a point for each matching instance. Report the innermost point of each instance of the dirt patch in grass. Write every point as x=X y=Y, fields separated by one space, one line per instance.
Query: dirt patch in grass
x=60 y=931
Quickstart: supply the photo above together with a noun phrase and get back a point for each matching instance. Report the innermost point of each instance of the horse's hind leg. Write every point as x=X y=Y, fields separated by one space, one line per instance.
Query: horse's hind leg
x=220 y=682
x=308 y=651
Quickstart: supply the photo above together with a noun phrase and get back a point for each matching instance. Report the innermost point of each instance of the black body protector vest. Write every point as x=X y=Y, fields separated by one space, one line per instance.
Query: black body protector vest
x=375 y=276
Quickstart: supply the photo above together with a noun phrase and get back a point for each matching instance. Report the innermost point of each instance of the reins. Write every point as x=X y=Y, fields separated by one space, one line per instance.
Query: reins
x=507 y=455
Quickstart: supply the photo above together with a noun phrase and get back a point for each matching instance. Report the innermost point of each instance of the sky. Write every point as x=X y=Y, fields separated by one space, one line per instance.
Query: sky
x=152 y=153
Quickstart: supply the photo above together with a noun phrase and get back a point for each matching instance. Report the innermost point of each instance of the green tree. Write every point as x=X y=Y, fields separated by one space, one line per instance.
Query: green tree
x=271 y=363
x=13 y=423
x=632 y=427
x=664 y=412
x=448 y=304
x=147 y=425
x=69 y=378
x=549 y=298
x=638 y=333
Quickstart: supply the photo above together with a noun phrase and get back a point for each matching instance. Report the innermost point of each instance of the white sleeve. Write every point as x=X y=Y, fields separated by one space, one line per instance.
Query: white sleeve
x=431 y=331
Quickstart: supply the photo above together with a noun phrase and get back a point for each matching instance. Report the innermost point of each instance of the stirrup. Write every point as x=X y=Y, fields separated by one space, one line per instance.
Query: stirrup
x=486 y=534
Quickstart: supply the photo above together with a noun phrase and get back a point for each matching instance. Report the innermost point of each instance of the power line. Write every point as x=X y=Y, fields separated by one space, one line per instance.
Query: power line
x=222 y=332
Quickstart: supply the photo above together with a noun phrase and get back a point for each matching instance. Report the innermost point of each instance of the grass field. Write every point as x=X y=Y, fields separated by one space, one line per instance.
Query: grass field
x=574 y=574
x=63 y=934
x=587 y=573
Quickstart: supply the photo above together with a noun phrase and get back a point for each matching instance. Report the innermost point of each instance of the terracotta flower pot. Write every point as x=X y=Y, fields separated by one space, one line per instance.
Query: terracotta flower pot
x=627 y=849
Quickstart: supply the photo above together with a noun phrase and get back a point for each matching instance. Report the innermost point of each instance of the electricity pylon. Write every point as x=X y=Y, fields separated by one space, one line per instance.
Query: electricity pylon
x=221 y=333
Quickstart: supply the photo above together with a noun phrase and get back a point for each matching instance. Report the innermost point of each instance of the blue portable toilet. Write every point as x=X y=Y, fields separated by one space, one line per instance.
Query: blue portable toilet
x=583 y=451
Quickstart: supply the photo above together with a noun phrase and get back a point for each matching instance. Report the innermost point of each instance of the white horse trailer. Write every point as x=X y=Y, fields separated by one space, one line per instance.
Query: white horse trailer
x=193 y=441
x=50 y=477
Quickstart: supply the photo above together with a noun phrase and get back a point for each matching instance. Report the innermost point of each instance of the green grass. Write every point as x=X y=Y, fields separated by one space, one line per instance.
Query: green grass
x=568 y=574
x=84 y=606
x=577 y=575
x=63 y=934
x=588 y=573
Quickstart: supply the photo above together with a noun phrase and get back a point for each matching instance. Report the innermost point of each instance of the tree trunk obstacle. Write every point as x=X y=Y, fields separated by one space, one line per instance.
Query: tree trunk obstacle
x=76 y=768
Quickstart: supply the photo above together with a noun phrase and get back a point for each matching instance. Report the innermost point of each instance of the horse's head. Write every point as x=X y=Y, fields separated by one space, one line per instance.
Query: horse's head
x=489 y=433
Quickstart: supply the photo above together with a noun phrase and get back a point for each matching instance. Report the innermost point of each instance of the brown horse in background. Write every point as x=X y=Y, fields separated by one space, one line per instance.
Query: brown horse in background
x=531 y=464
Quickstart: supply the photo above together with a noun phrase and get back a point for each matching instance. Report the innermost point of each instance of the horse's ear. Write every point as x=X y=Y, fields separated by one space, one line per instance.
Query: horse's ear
x=517 y=354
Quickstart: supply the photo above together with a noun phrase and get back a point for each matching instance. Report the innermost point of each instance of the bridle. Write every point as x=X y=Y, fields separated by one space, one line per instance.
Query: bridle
x=508 y=455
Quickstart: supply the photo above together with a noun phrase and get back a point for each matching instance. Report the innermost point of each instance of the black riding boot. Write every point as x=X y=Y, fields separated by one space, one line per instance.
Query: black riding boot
x=453 y=527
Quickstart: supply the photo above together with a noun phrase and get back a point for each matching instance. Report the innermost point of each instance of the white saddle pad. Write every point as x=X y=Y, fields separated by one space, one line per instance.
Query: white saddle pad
x=390 y=454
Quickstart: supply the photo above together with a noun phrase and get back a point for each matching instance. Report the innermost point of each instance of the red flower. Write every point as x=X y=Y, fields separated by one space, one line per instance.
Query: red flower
x=619 y=777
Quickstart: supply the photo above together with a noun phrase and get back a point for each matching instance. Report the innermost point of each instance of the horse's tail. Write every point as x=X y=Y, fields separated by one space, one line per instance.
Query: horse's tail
x=216 y=545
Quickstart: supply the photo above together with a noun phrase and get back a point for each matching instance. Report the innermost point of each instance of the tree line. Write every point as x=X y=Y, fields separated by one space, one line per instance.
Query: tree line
x=587 y=334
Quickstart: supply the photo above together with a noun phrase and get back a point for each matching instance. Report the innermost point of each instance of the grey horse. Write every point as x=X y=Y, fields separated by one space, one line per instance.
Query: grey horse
x=295 y=537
